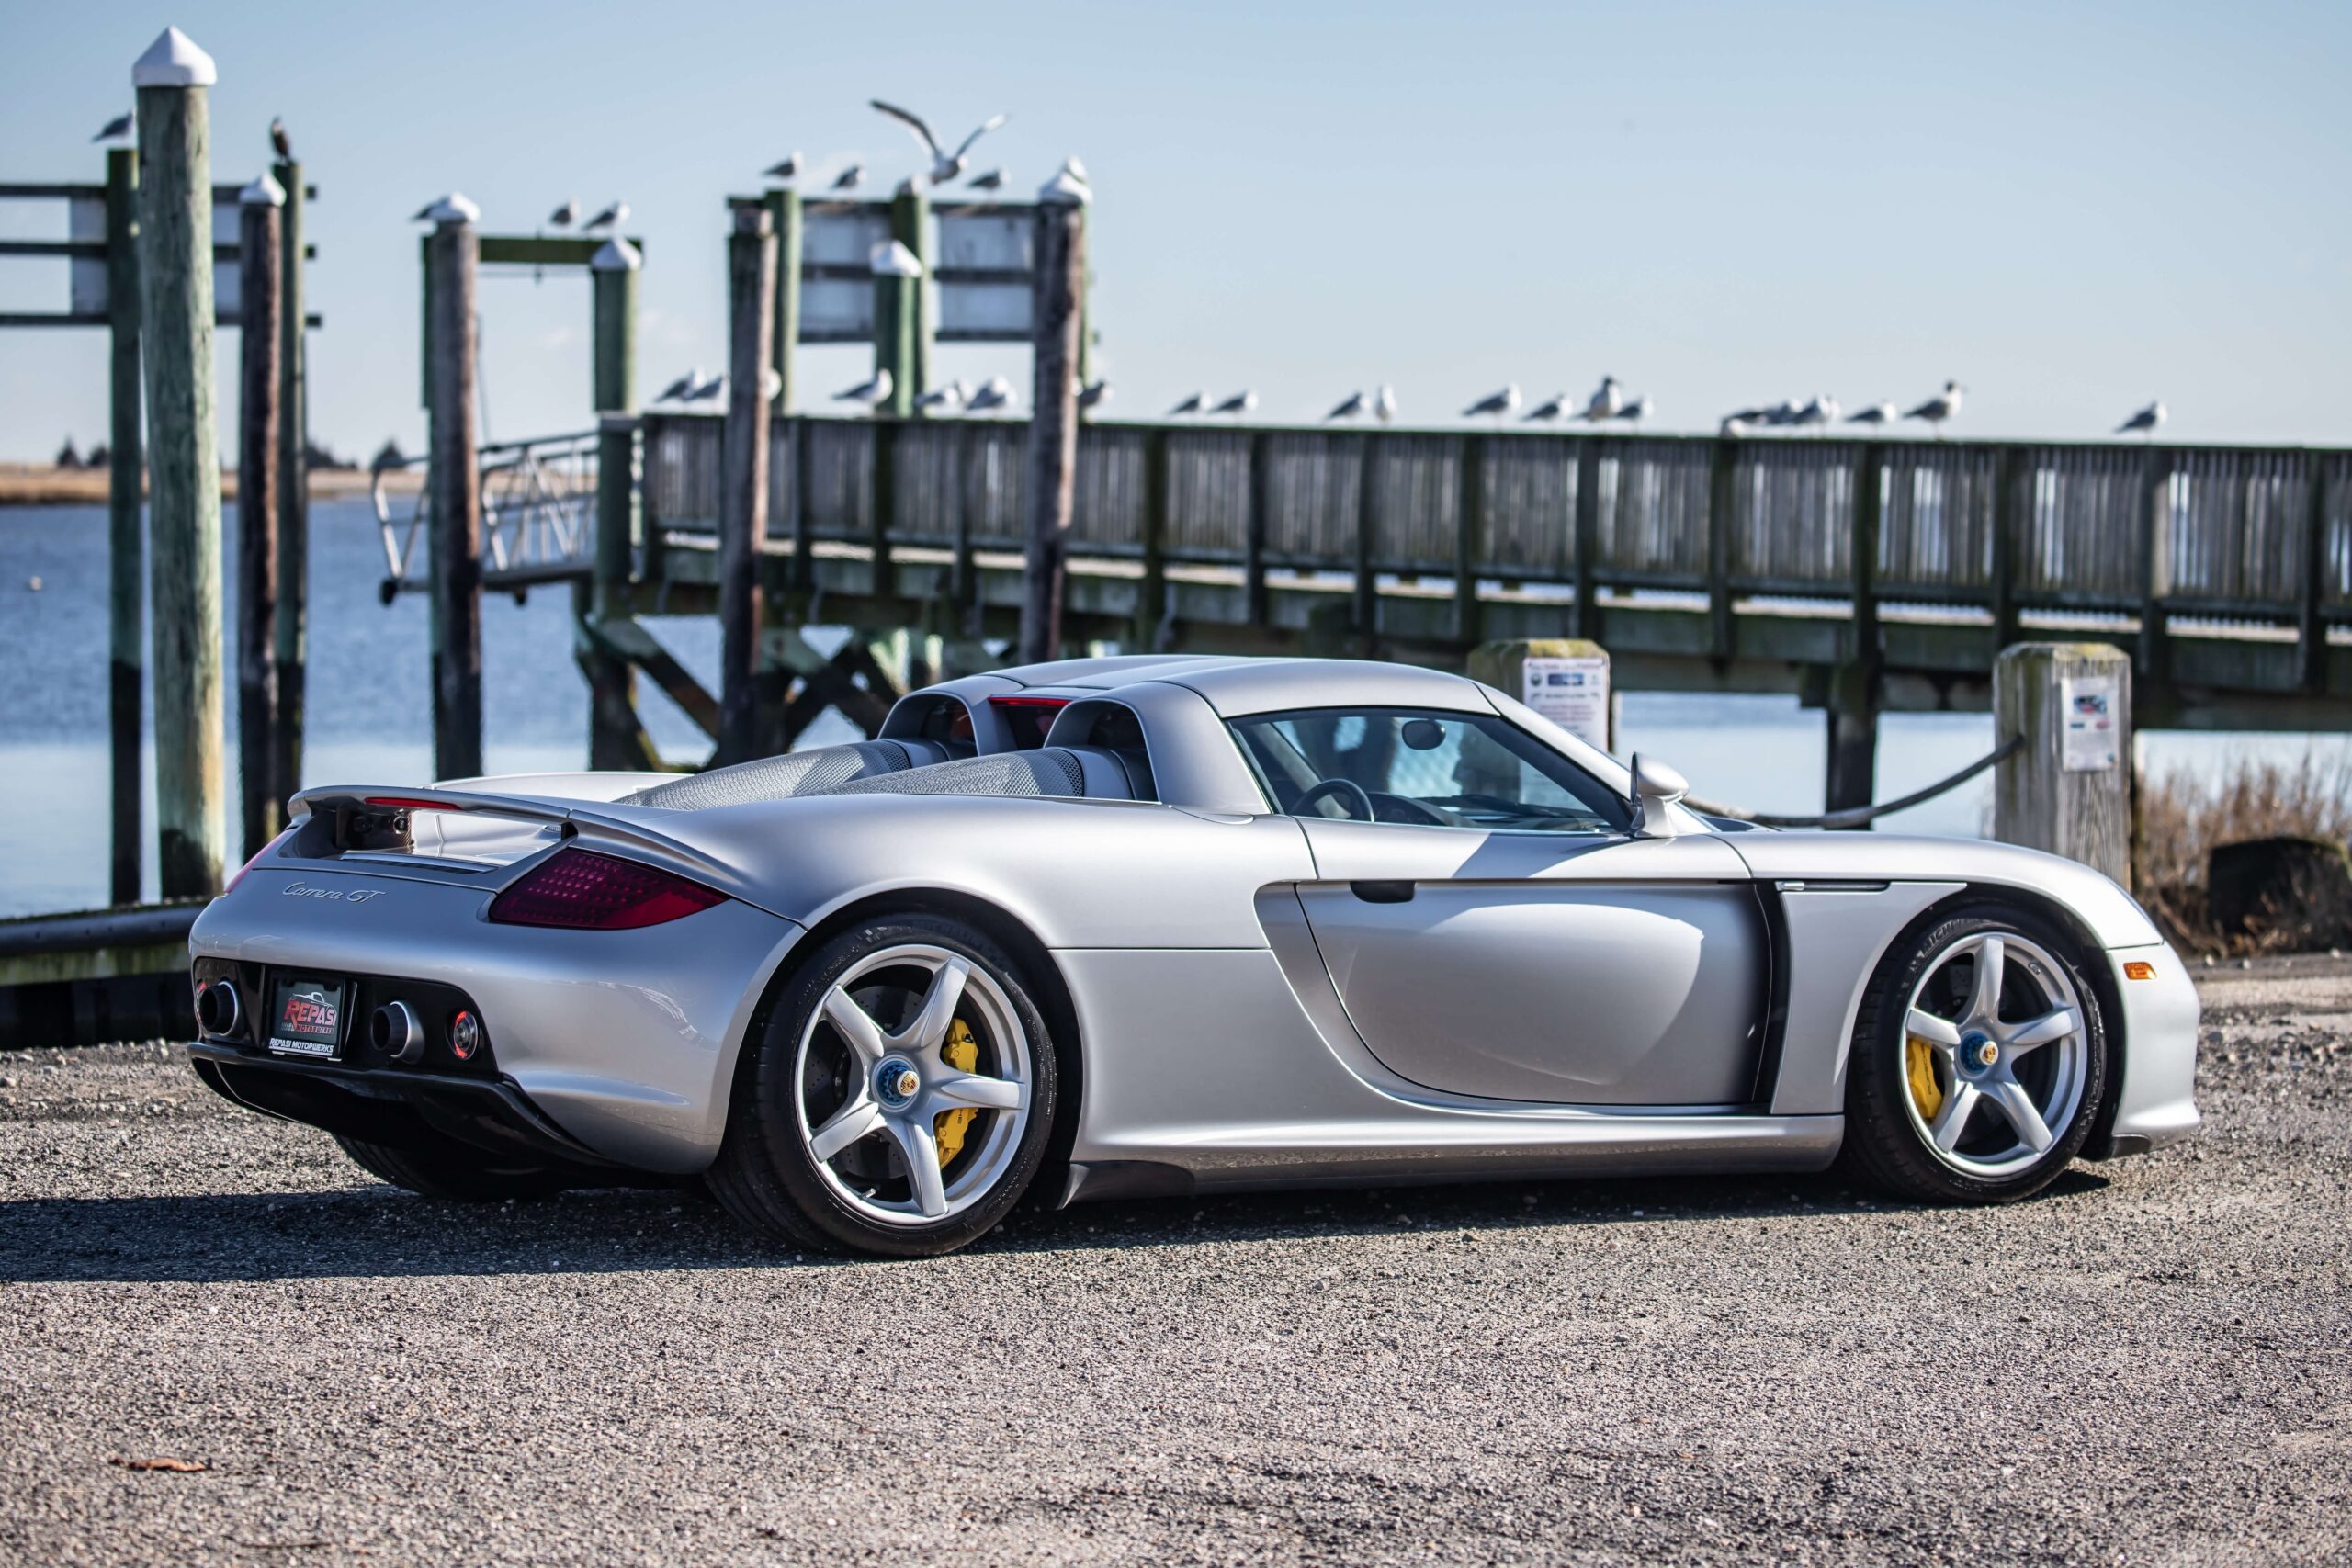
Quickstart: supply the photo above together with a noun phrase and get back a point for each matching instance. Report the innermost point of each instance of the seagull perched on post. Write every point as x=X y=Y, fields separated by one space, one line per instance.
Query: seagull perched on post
x=116 y=128
x=1241 y=402
x=1197 y=403
x=1551 y=411
x=1636 y=412
x=1383 y=403
x=564 y=217
x=850 y=179
x=1502 y=404
x=1606 y=400
x=950 y=398
x=944 y=166
x=1094 y=394
x=2144 y=422
x=1877 y=414
x=873 y=393
x=706 y=391
x=613 y=216
x=676 y=390
x=280 y=142
x=1940 y=408
x=992 y=179
x=1355 y=405
x=1821 y=409
x=789 y=168
x=996 y=394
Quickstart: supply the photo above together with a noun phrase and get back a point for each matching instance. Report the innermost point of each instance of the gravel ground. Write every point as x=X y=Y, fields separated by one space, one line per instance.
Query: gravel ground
x=2147 y=1364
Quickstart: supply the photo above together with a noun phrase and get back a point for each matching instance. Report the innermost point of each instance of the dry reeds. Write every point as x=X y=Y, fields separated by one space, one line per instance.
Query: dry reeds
x=2185 y=816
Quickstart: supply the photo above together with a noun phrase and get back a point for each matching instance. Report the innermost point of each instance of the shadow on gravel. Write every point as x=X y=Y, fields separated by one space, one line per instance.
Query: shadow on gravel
x=378 y=1232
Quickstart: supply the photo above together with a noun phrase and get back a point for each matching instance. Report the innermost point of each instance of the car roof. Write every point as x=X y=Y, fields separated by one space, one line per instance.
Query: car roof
x=1235 y=684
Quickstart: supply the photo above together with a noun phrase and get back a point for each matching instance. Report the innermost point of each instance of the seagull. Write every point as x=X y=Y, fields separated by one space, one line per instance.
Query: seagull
x=1094 y=394
x=787 y=170
x=1821 y=409
x=992 y=180
x=1075 y=170
x=1940 y=408
x=278 y=141
x=1636 y=412
x=944 y=166
x=1877 y=414
x=873 y=393
x=1383 y=403
x=1740 y=421
x=1241 y=402
x=613 y=216
x=678 y=388
x=1606 y=400
x=996 y=394
x=2144 y=422
x=948 y=399
x=706 y=391
x=425 y=214
x=1502 y=404
x=564 y=217
x=1551 y=411
x=1197 y=403
x=1355 y=405
x=850 y=179
x=116 y=128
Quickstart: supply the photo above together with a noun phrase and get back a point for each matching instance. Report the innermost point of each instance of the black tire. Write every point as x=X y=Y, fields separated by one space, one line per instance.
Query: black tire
x=1884 y=1145
x=767 y=1176
x=443 y=1167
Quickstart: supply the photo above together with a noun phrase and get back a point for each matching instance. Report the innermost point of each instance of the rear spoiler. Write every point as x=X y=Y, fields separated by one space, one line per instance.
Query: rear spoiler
x=375 y=818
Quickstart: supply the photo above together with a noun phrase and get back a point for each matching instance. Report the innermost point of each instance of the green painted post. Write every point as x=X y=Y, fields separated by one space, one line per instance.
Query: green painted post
x=184 y=465
x=783 y=214
x=260 y=432
x=453 y=253
x=898 y=295
x=613 y=732
x=293 y=628
x=911 y=227
x=126 y=535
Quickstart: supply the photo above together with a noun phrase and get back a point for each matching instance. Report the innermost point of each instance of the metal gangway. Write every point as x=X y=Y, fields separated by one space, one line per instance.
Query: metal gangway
x=538 y=508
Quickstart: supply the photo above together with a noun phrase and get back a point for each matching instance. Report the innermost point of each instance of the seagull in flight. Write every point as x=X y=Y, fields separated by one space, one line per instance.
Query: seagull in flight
x=1383 y=403
x=2144 y=422
x=944 y=166
x=996 y=394
x=1940 y=408
x=1640 y=409
x=1241 y=402
x=1606 y=400
x=1094 y=394
x=280 y=142
x=1877 y=414
x=1551 y=411
x=991 y=180
x=1197 y=403
x=873 y=393
x=116 y=128
x=787 y=169
x=1355 y=405
x=613 y=216
x=850 y=179
x=564 y=217
x=1502 y=404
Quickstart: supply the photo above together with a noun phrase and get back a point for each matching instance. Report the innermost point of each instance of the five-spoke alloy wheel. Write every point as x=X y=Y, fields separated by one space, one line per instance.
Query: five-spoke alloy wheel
x=1979 y=1060
x=900 y=1096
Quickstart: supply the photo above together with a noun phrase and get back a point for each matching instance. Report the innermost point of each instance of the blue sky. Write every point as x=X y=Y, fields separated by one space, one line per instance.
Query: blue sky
x=2071 y=209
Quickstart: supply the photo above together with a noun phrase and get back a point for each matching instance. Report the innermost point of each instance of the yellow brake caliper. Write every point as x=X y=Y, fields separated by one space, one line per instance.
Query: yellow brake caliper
x=963 y=1054
x=1919 y=1062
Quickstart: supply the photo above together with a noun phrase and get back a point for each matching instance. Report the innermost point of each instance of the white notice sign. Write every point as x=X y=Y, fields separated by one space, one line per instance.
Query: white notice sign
x=2088 y=704
x=1573 y=693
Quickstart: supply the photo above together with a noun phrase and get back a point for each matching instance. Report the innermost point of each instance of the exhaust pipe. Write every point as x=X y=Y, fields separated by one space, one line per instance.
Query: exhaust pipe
x=394 y=1030
x=216 y=1009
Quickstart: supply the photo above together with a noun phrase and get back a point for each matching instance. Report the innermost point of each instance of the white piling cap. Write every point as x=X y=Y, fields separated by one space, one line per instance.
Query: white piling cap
x=174 y=61
x=616 y=254
x=1065 y=189
x=892 y=259
x=264 y=192
x=453 y=208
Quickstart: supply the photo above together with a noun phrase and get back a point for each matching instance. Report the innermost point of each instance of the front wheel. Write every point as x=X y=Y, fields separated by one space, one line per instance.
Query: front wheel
x=1979 y=1060
x=899 y=1099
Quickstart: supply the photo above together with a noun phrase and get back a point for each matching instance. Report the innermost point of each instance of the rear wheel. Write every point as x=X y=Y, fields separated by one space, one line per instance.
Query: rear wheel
x=1979 y=1060
x=900 y=1098
x=444 y=1168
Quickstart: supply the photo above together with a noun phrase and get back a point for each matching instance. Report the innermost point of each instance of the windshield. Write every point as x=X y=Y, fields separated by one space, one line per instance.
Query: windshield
x=1427 y=767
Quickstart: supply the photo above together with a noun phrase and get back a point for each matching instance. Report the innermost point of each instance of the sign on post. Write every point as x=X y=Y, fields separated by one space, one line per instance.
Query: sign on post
x=1564 y=679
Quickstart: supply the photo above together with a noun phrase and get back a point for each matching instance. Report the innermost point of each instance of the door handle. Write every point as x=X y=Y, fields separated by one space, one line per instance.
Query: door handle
x=1383 y=891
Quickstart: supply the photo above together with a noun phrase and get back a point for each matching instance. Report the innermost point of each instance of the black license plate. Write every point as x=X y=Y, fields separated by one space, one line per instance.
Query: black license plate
x=306 y=1016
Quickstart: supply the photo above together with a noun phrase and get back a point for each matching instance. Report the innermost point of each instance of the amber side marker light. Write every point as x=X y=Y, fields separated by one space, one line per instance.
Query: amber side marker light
x=2139 y=969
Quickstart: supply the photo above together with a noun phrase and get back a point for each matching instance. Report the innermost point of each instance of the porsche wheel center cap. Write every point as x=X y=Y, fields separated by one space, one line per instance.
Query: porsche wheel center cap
x=895 y=1083
x=1977 y=1052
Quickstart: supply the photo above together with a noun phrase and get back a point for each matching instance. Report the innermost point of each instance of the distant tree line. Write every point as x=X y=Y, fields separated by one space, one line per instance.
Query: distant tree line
x=315 y=455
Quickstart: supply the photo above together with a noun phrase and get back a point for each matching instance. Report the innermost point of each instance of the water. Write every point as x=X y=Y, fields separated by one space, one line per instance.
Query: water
x=370 y=712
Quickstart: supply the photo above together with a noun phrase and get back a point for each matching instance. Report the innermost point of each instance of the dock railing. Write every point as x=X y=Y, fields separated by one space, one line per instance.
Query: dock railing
x=538 y=508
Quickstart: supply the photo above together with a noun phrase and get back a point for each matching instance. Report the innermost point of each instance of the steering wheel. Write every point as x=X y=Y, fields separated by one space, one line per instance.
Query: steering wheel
x=1317 y=792
x=1387 y=808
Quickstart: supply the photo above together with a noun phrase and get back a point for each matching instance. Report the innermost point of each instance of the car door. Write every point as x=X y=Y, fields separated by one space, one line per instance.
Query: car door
x=1562 y=966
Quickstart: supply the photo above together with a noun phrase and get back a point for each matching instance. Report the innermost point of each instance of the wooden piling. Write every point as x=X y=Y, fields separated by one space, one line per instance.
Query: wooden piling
x=1055 y=318
x=614 y=737
x=184 y=465
x=126 y=531
x=293 y=628
x=785 y=217
x=1254 y=526
x=1364 y=614
x=743 y=477
x=260 y=433
x=911 y=321
x=1469 y=537
x=2068 y=789
x=453 y=255
x=1855 y=685
x=1585 y=540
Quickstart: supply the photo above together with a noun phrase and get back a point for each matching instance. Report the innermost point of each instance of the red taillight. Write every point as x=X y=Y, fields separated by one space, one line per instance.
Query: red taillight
x=411 y=803
x=585 y=891
x=258 y=854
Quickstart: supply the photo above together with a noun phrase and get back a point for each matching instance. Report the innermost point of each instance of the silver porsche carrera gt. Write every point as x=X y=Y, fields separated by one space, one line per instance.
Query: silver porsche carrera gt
x=1144 y=925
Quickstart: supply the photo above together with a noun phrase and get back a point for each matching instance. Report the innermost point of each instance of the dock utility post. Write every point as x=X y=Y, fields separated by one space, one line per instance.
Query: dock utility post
x=2068 y=788
x=615 y=738
x=453 y=254
x=184 y=465
x=293 y=630
x=125 y=533
x=260 y=431
x=1057 y=318
x=743 y=477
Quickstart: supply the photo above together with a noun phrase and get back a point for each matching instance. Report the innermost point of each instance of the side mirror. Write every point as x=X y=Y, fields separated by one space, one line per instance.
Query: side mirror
x=1656 y=787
